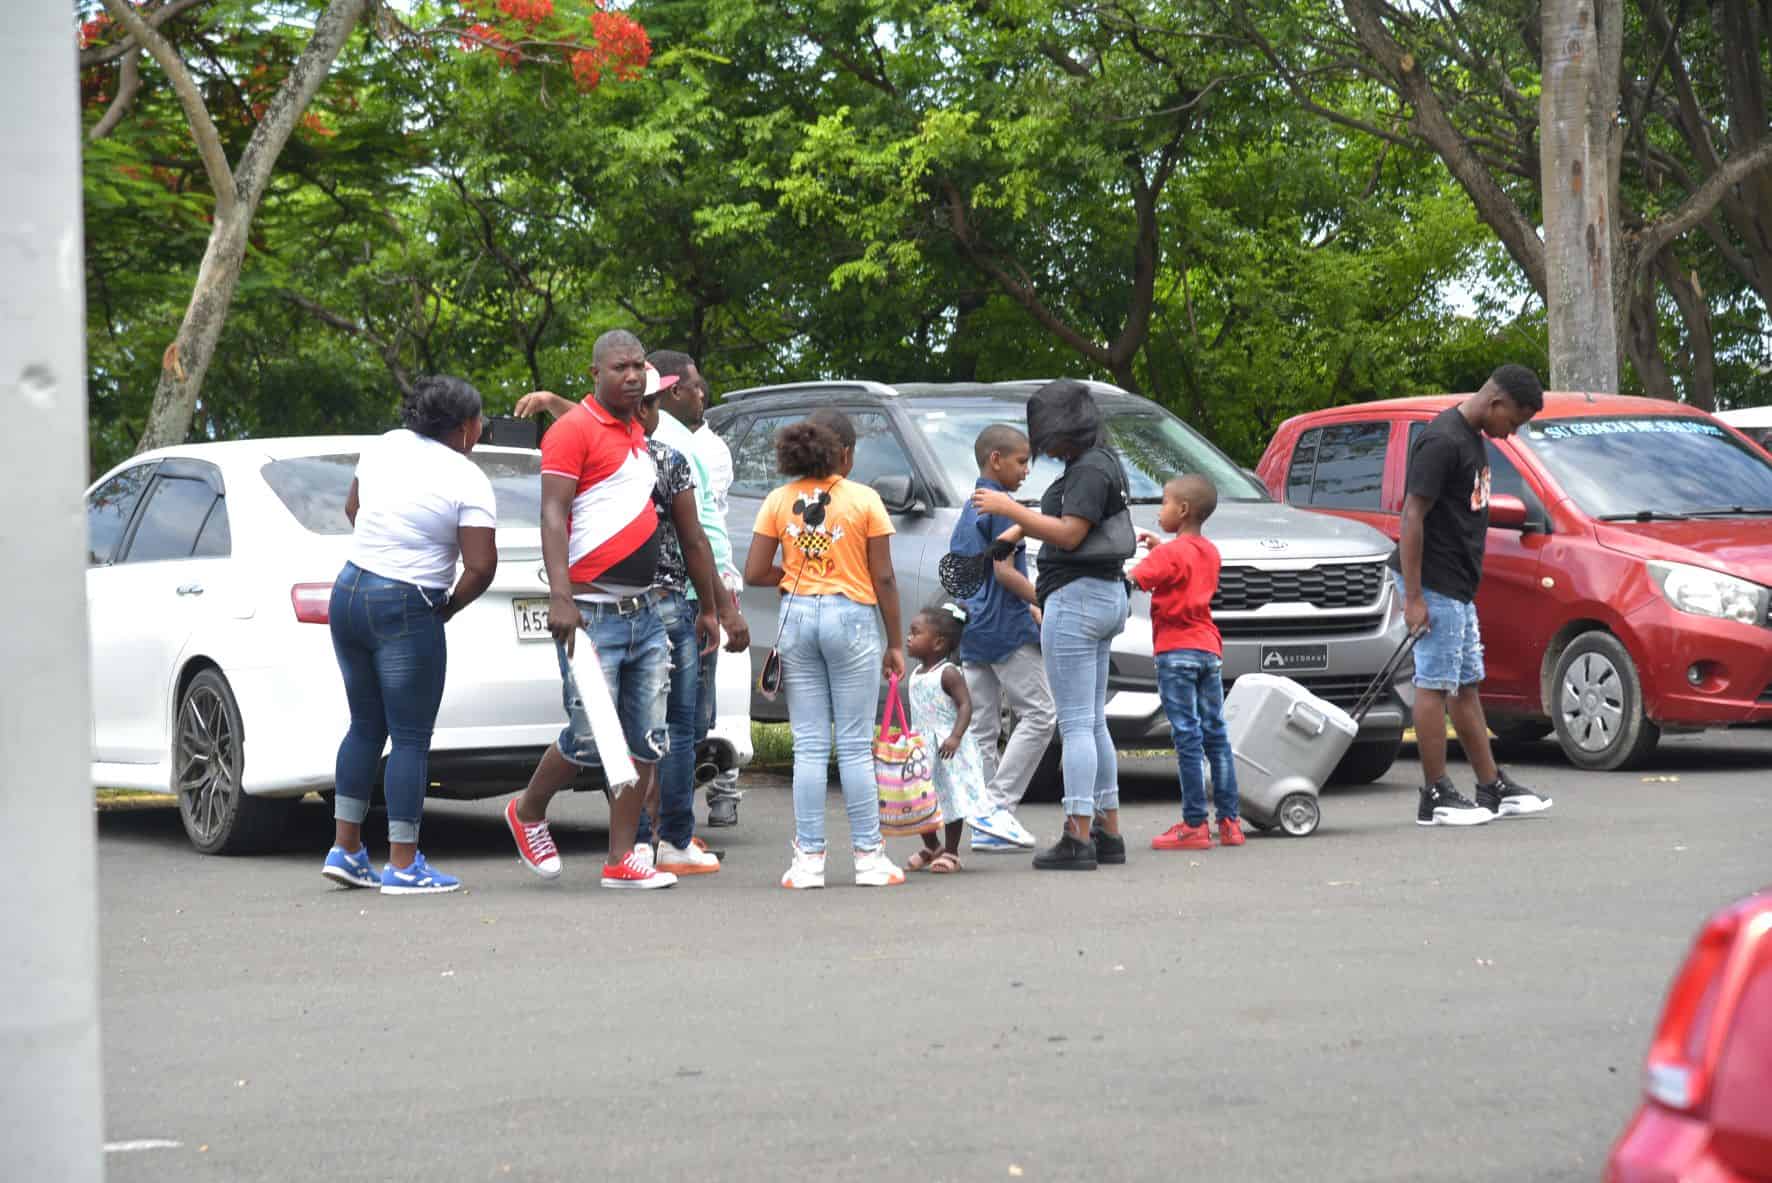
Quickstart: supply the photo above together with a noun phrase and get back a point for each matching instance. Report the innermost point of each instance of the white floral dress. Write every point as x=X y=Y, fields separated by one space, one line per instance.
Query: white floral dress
x=959 y=782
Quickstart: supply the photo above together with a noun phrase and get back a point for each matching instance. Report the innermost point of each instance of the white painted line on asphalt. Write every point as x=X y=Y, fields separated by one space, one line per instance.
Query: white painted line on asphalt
x=141 y=1144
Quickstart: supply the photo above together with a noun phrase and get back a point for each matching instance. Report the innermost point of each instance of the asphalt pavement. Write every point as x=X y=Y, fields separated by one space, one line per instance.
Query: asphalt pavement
x=1375 y=1002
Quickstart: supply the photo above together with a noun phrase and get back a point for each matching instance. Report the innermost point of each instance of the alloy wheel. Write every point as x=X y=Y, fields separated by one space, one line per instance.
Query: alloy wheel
x=208 y=762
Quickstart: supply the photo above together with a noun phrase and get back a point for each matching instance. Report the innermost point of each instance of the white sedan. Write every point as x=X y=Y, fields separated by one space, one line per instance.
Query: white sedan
x=210 y=568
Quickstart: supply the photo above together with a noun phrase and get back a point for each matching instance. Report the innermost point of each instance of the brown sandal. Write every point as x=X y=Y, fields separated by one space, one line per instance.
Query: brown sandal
x=921 y=860
x=945 y=863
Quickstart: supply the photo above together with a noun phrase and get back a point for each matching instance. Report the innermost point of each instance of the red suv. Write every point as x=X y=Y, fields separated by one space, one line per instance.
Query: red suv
x=1626 y=580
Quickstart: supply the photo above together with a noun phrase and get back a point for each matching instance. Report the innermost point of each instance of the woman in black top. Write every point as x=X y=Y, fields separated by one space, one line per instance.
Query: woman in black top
x=1081 y=587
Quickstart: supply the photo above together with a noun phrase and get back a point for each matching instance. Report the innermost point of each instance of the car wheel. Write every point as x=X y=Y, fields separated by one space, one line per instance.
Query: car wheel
x=1519 y=731
x=207 y=759
x=1366 y=762
x=1598 y=701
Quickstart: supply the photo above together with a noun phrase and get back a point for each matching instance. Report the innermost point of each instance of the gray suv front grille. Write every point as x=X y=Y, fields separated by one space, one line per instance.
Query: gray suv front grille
x=1327 y=585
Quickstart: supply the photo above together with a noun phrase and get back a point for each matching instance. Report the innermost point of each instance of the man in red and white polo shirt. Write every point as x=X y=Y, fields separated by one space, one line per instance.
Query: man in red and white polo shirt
x=600 y=545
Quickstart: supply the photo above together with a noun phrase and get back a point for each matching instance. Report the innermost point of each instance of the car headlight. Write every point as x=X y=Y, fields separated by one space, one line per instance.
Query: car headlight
x=1704 y=592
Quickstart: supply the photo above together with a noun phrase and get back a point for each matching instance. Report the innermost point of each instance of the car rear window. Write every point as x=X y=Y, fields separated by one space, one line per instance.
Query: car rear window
x=314 y=488
x=1632 y=464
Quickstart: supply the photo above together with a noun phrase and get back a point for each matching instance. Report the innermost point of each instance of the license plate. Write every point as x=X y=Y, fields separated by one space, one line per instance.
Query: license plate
x=1280 y=659
x=532 y=619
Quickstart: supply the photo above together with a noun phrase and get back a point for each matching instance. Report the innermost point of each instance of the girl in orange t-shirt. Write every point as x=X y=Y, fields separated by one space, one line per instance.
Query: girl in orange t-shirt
x=836 y=576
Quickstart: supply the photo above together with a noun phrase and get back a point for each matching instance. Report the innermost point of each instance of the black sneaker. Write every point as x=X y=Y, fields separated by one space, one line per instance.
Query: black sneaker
x=1508 y=798
x=1068 y=854
x=722 y=811
x=1442 y=806
x=1109 y=848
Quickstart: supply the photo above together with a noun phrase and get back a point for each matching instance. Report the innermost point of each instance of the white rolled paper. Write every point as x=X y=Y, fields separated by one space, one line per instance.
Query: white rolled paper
x=606 y=732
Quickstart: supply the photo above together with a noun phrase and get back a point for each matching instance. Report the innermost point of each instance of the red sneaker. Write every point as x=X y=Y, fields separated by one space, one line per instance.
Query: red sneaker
x=535 y=845
x=1182 y=836
x=1230 y=832
x=633 y=872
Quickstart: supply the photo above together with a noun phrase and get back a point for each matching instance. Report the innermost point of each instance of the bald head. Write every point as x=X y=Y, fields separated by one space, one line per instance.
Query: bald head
x=615 y=339
x=618 y=364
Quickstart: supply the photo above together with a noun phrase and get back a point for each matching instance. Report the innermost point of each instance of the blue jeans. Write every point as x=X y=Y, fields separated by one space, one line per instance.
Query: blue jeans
x=636 y=659
x=1451 y=655
x=830 y=670
x=676 y=772
x=389 y=642
x=1191 y=684
x=1082 y=618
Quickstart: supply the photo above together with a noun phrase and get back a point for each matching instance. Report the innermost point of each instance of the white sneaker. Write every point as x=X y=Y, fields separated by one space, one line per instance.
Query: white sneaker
x=1004 y=827
x=807 y=870
x=643 y=852
x=686 y=860
x=874 y=869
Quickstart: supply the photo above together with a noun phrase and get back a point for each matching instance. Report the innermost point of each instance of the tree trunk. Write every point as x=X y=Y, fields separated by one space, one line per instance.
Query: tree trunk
x=187 y=359
x=1584 y=306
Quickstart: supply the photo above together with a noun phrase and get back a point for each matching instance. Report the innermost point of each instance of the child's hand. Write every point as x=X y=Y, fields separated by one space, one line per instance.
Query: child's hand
x=1148 y=540
x=949 y=746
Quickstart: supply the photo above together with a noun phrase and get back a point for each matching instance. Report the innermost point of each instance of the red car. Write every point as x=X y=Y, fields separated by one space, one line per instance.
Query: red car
x=1707 y=1115
x=1628 y=575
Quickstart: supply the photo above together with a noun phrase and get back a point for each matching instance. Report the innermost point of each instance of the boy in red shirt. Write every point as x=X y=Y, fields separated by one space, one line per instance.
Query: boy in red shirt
x=1182 y=577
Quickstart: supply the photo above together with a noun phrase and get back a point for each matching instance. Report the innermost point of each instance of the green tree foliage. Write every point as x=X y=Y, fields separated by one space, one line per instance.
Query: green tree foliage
x=794 y=190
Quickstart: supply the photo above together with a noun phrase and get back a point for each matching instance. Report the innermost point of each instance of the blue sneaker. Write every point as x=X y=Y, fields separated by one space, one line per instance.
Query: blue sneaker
x=352 y=870
x=418 y=879
x=983 y=843
x=1003 y=826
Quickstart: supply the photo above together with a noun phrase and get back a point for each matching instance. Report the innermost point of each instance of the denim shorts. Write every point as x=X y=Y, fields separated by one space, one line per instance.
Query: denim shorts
x=635 y=654
x=1451 y=655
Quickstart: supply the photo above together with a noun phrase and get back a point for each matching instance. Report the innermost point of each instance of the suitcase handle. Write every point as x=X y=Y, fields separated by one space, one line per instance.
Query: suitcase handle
x=1369 y=697
x=1312 y=715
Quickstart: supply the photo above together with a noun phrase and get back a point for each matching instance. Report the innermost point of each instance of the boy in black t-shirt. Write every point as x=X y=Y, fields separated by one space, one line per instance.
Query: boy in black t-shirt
x=1438 y=564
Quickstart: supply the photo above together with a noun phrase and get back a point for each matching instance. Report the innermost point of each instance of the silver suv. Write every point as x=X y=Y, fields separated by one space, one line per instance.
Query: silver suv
x=1300 y=594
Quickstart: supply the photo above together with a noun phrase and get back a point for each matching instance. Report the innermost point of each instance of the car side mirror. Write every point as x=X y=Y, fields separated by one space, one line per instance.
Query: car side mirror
x=899 y=493
x=1507 y=512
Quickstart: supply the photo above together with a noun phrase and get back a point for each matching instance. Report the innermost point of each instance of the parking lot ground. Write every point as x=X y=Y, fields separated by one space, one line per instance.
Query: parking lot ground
x=1376 y=1002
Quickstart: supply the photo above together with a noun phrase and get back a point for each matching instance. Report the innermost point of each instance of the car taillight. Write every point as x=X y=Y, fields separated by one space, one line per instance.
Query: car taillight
x=1683 y=1055
x=313 y=602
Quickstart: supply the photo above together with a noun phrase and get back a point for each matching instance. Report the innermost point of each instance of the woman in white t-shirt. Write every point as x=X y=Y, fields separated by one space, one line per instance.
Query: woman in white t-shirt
x=417 y=505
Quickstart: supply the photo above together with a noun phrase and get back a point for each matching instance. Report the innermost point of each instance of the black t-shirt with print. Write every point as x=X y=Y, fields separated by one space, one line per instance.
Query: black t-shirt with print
x=1450 y=467
x=1089 y=488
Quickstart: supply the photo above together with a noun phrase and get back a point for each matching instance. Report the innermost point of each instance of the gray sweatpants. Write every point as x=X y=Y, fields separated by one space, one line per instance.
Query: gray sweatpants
x=1019 y=683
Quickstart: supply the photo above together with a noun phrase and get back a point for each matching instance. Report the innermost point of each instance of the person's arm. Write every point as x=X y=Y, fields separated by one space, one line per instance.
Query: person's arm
x=760 y=568
x=479 y=563
x=538 y=402
x=1066 y=533
x=1159 y=569
x=564 y=618
x=698 y=558
x=352 y=505
x=1013 y=581
x=954 y=682
x=1409 y=542
x=886 y=593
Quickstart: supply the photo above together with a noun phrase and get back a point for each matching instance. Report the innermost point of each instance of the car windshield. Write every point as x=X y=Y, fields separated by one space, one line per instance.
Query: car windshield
x=314 y=488
x=1153 y=446
x=1643 y=465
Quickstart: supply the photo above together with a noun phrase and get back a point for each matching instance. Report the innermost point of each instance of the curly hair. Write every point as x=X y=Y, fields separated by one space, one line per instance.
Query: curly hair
x=807 y=449
x=947 y=621
x=438 y=405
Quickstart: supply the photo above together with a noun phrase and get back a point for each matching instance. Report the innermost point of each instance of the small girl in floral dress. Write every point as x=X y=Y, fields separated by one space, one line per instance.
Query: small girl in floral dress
x=941 y=710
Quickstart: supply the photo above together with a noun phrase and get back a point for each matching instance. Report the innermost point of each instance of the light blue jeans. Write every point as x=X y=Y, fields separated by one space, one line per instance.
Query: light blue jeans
x=1082 y=619
x=830 y=670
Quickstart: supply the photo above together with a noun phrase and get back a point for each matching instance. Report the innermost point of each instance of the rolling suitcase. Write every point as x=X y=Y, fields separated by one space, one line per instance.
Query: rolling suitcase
x=1286 y=741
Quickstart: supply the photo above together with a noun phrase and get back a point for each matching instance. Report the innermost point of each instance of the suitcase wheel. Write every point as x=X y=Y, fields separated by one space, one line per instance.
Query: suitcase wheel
x=1298 y=814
